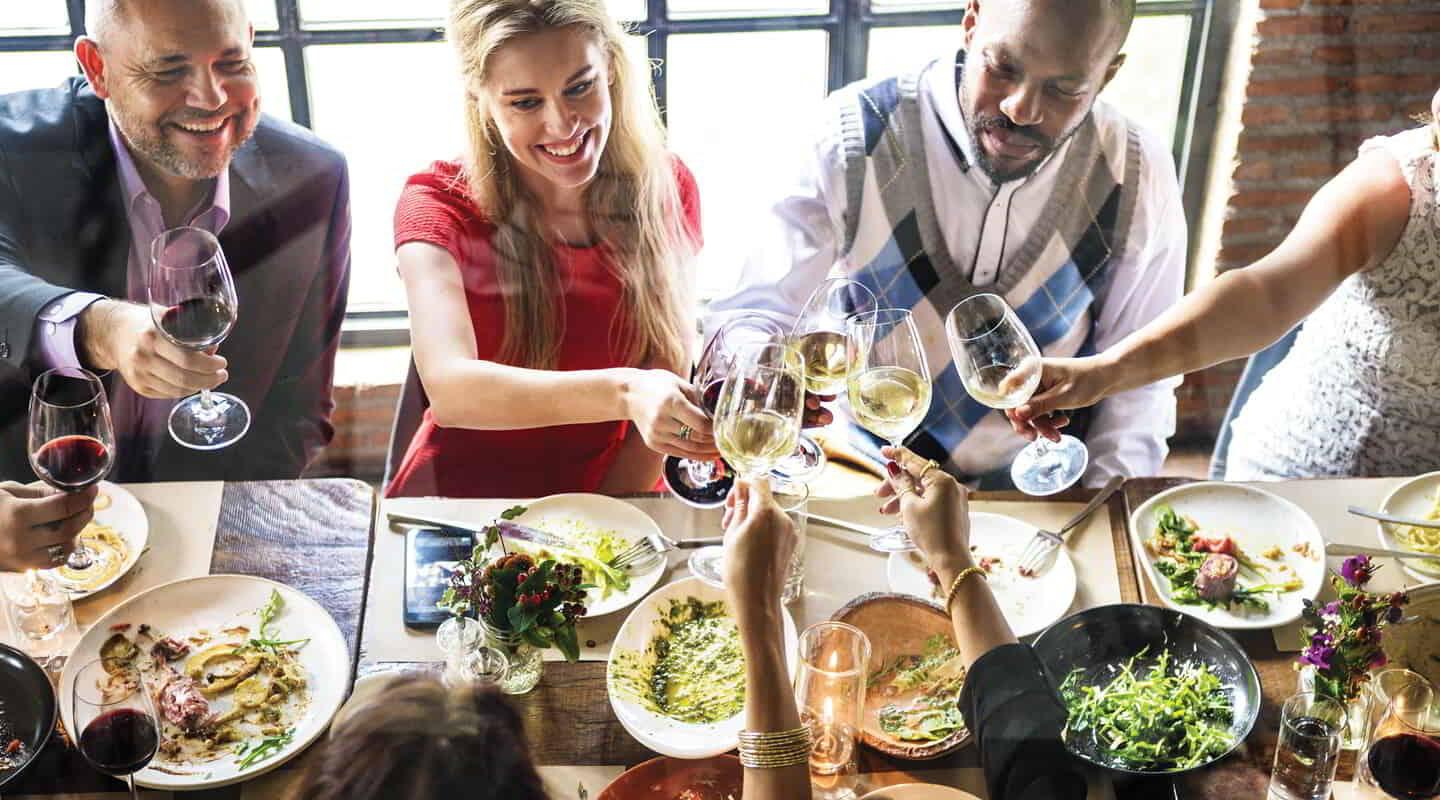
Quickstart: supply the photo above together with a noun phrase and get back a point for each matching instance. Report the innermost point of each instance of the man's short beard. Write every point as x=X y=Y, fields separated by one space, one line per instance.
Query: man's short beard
x=979 y=124
x=161 y=153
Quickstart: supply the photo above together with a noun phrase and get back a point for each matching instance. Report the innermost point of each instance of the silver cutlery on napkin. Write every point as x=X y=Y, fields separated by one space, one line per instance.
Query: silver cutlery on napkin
x=1383 y=517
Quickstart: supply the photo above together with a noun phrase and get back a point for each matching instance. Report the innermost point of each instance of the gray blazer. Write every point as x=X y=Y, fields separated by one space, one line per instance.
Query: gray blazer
x=63 y=228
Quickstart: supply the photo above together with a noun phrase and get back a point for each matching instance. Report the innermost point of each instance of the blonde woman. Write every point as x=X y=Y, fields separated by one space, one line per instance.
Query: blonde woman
x=548 y=320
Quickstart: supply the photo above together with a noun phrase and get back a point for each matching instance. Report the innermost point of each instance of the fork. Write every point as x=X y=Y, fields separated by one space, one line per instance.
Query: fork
x=1044 y=543
x=647 y=551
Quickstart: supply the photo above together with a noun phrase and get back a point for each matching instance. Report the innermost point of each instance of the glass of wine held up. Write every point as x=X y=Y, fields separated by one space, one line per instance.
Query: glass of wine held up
x=757 y=425
x=889 y=387
x=193 y=303
x=112 y=710
x=705 y=484
x=999 y=364
x=71 y=439
x=819 y=337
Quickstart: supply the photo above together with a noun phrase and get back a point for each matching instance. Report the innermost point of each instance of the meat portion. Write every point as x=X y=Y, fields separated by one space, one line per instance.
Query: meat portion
x=183 y=705
x=169 y=649
x=1213 y=544
x=1216 y=581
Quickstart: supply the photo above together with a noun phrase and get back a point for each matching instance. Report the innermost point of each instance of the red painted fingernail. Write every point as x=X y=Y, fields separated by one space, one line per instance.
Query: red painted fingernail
x=892 y=468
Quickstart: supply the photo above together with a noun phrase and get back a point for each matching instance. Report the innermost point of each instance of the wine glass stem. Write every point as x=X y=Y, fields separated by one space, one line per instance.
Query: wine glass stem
x=130 y=781
x=205 y=400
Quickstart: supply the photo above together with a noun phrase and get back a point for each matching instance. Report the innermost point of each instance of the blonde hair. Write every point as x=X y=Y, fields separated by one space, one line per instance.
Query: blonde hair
x=632 y=202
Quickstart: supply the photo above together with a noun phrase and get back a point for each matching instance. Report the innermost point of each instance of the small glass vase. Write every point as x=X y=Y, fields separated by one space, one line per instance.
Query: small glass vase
x=524 y=664
x=1357 y=711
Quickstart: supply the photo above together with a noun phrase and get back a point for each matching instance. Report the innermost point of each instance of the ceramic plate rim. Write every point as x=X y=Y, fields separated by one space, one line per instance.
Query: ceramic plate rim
x=898 y=561
x=298 y=746
x=1220 y=618
x=15 y=772
x=720 y=740
x=135 y=540
x=1389 y=541
x=929 y=788
x=641 y=584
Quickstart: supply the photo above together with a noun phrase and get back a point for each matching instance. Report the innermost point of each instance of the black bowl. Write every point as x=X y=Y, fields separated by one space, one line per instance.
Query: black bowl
x=1098 y=638
x=27 y=707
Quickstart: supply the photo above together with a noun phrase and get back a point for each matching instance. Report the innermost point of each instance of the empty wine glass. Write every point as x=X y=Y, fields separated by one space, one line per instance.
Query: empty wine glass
x=704 y=484
x=999 y=364
x=889 y=387
x=193 y=303
x=119 y=732
x=71 y=439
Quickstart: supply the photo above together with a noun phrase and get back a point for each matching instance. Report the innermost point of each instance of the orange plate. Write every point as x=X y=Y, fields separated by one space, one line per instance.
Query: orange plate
x=715 y=778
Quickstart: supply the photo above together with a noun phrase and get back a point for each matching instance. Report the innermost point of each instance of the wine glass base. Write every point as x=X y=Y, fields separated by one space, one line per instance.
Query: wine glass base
x=81 y=558
x=681 y=482
x=225 y=422
x=708 y=564
x=802 y=466
x=1047 y=468
x=895 y=540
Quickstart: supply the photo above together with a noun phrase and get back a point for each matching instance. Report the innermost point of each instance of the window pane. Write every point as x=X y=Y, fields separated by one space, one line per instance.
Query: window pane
x=262 y=14
x=916 y=5
x=628 y=10
x=894 y=50
x=32 y=17
x=373 y=13
x=691 y=9
x=1147 y=88
x=421 y=121
x=37 y=70
x=730 y=134
x=274 y=89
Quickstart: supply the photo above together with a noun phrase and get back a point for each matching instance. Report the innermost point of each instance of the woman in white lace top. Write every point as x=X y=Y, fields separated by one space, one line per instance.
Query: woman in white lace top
x=1359 y=393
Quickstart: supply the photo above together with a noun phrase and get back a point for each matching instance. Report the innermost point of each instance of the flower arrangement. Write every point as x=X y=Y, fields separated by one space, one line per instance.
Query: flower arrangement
x=536 y=601
x=1343 y=636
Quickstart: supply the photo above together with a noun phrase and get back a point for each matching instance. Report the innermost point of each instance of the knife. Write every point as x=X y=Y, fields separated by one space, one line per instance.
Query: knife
x=1419 y=523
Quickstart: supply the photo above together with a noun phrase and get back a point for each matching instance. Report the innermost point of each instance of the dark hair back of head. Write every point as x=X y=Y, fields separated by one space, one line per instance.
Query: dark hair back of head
x=418 y=740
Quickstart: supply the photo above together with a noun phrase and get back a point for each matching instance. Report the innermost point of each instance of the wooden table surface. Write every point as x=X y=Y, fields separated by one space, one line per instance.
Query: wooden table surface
x=313 y=535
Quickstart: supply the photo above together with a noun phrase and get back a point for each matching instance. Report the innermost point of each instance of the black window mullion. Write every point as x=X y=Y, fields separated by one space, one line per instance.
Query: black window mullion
x=76 y=10
x=848 y=41
x=657 y=44
x=293 y=45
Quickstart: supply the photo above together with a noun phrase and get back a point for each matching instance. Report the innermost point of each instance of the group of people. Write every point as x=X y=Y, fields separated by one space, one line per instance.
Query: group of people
x=547 y=274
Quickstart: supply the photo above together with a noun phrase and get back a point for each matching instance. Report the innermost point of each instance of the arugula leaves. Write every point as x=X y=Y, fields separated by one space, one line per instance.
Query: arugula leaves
x=248 y=755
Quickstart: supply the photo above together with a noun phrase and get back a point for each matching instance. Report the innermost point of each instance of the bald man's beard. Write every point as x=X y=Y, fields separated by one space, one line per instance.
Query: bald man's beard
x=149 y=141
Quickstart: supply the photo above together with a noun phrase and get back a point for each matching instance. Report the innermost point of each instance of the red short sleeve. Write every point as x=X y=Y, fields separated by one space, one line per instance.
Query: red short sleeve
x=435 y=208
x=689 y=193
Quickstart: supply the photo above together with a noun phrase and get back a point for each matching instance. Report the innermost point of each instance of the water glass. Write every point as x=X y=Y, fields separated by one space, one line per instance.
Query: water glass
x=1311 y=727
x=830 y=687
x=40 y=613
x=793 y=499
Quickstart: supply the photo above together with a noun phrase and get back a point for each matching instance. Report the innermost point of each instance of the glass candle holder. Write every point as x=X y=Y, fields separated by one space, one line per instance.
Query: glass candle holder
x=830 y=687
x=40 y=613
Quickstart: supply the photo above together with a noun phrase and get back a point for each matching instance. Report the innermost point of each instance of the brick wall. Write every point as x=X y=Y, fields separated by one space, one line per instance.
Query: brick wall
x=1323 y=76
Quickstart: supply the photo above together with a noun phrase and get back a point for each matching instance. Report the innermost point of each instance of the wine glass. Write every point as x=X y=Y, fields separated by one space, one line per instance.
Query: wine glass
x=889 y=386
x=119 y=732
x=819 y=336
x=999 y=363
x=704 y=484
x=757 y=425
x=1403 y=757
x=193 y=303
x=71 y=438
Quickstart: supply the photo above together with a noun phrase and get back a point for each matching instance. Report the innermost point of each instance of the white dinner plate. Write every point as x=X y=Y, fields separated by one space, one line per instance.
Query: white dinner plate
x=1413 y=498
x=664 y=735
x=1030 y=605
x=213 y=602
x=125 y=514
x=555 y=513
x=919 y=791
x=1257 y=521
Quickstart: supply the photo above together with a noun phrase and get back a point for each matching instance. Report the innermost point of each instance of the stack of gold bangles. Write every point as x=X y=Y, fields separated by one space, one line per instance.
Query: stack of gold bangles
x=775 y=750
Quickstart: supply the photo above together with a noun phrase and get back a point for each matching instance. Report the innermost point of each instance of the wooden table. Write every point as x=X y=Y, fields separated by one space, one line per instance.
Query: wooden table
x=313 y=535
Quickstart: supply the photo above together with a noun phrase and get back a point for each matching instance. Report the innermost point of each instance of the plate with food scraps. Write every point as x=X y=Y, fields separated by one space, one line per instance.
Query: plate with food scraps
x=117 y=537
x=595 y=529
x=684 y=631
x=27 y=712
x=912 y=695
x=1417 y=498
x=1235 y=556
x=1030 y=603
x=245 y=673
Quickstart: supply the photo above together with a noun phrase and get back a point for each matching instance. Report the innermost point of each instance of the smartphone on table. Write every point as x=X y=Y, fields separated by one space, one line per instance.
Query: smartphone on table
x=430 y=557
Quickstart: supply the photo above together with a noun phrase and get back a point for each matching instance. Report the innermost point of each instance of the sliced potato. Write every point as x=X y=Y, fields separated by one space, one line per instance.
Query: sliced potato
x=252 y=691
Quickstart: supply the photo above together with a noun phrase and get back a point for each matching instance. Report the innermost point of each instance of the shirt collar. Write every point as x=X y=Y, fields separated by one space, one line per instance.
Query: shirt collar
x=213 y=213
x=944 y=88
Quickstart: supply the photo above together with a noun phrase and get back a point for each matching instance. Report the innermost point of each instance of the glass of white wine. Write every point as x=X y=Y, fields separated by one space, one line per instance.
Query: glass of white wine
x=757 y=425
x=889 y=386
x=999 y=363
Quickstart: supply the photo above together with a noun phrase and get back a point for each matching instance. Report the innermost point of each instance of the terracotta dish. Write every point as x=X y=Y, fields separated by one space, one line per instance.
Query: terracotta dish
x=897 y=625
x=715 y=778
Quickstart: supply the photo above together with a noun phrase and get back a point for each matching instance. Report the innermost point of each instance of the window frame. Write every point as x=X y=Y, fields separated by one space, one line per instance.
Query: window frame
x=847 y=24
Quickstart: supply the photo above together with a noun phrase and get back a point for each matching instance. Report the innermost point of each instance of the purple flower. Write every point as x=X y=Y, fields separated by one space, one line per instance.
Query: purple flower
x=1356 y=570
x=1318 y=656
x=1322 y=639
x=1331 y=609
x=1378 y=660
x=1394 y=614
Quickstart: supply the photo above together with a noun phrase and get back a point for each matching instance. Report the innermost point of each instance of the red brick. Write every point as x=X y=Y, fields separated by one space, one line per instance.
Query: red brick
x=1291 y=87
x=1259 y=140
x=1273 y=55
x=1347 y=112
x=1243 y=253
x=1242 y=225
x=1266 y=115
x=1301 y=25
x=1398 y=23
x=1312 y=169
x=1268 y=198
x=1254 y=170
x=1394 y=83
x=1281 y=3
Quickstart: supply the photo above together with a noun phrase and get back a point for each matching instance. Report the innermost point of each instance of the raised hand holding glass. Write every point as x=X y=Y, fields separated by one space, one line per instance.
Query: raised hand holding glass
x=71 y=439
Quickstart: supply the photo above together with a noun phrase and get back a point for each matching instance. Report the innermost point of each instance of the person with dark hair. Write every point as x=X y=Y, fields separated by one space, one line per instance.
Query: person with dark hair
x=996 y=170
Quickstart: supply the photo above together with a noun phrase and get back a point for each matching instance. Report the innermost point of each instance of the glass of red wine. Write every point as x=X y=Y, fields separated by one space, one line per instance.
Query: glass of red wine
x=193 y=303
x=119 y=731
x=72 y=442
x=705 y=484
x=1403 y=757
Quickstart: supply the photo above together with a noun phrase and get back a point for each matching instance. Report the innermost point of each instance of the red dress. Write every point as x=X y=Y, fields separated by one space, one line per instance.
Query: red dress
x=459 y=462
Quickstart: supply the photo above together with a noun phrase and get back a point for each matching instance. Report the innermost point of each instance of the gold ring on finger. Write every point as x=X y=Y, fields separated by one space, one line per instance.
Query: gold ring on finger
x=929 y=465
x=56 y=553
x=685 y=431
